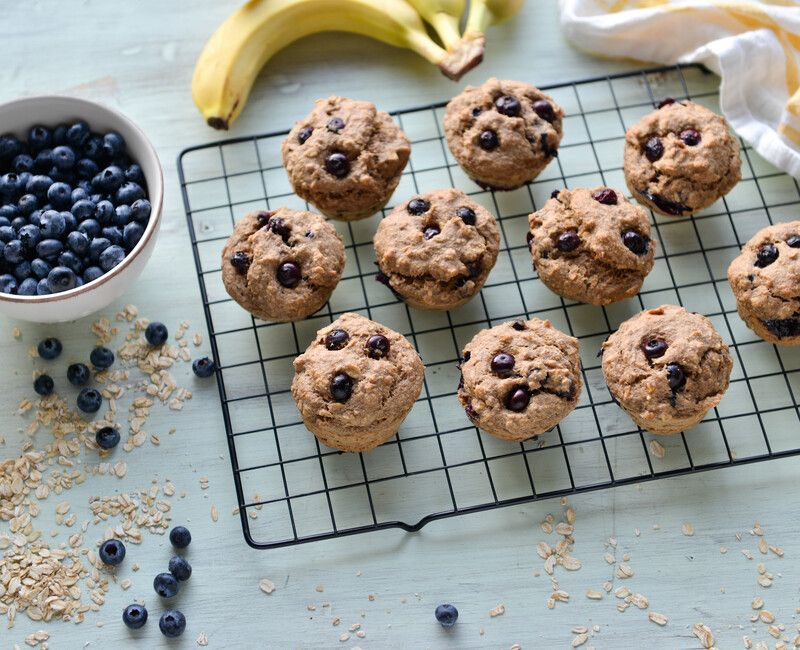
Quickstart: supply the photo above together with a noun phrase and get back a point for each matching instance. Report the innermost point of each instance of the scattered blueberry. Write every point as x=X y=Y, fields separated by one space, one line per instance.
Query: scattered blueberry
x=418 y=206
x=180 y=537
x=203 y=367
x=654 y=348
x=502 y=364
x=488 y=140
x=180 y=568
x=508 y=105
x=101 y=358
x=43 y=385
x=112 y=552
x=568 y=241
x=766 y=255
x=107 y=437
x=156 y=334
x=289 y=274
x=49 y=348
x=89 y=400
x=467 y=215
x=341 y=387
x=336 y=339
x=378 y=346
x=337 y=164
x=134 y=616
x=172 y=623
x=165 y=585
x=78 y=374
x=446 y=614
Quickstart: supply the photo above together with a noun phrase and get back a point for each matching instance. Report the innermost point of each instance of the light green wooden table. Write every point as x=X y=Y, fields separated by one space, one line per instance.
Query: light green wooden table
x=139 y=57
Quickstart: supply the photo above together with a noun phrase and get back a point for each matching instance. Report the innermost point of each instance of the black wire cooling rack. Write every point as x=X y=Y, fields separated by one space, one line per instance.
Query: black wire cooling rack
x=291 y=490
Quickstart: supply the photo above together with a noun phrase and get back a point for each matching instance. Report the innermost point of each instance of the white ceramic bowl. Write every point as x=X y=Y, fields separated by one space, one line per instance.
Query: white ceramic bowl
x=17 y=117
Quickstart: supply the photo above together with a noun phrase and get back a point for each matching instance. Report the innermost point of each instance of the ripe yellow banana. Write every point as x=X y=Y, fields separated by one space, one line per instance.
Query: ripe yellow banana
x=231 y=60
x=483 y=13
x=444 y=16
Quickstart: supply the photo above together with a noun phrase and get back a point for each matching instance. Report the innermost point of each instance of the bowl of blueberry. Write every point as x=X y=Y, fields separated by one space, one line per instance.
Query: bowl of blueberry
x=81 y=191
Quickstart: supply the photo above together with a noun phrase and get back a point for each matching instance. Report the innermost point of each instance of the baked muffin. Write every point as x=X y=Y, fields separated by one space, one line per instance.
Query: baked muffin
x=591 y=245
x=282 y=265
x=520 y=379
x=681 y=158
x=436 y=251
x=356 y=382
x=765 y=279
x=667 y=368
x=345 y=158
x=503 y=133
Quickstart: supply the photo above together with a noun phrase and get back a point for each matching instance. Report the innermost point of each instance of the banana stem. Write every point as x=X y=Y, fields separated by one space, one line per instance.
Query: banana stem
x=446 y=26
x=426 y=47
x=478 y=19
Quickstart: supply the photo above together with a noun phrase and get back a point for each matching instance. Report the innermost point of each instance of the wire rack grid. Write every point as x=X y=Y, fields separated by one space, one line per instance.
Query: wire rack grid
x=291 y=490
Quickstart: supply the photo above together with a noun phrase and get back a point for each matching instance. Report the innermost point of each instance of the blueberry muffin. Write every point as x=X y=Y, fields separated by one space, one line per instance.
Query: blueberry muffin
x=282 y=265
x=345 y=158
x=591 y=245
x=436 y=251
x=520 y=379
x=765 y=279
x=356 y=382
x=667 y=368
x=681 y=158
x=503 y=133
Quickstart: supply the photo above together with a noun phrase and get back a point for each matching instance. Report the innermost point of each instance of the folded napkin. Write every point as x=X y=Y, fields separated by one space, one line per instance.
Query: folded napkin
x=754 y=46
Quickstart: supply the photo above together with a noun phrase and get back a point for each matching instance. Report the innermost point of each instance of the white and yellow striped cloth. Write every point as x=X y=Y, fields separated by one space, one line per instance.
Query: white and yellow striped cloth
x=753 y=45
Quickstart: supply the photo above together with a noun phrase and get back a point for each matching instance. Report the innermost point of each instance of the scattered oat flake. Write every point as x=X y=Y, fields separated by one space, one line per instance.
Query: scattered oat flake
x=344 y=636
x=757 y=603
x=658 y=619
x=580 y=640
x=687 y=529
x=266 y=585
x=202 y=639
x=765 y=581
x=497 y=611
x=594 y=595
x=624 y=571
x=657 y=449
x=214 y=513
x=703 y=632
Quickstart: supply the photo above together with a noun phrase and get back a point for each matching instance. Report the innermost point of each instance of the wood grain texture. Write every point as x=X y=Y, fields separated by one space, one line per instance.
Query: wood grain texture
x=138 y=57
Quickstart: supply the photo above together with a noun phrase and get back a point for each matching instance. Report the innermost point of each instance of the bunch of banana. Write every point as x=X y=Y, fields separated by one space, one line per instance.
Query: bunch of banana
x=231 y=60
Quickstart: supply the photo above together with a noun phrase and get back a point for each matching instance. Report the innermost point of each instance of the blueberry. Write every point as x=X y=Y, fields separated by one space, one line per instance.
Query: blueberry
x=335 y=124
x=508 y=105
x=203 y=367
x=518 y=399
x=341 y=387
x=446 y=614
x=172 y=623
x=8 y=283
x=42 y=288
x=43 y=385
x=38 y=185
x=19 y=222
x=488 y=140
x=64 y=157
x=83 y=208
x=40 y=268
x=78 y=374
x=765 y=255
x=304 y=134
x=690 y=137
x=180 y=537
x=653 y=149
x=654 y=348
x=89 y=227
x=113 y=144
x=129 y=193
x=60 y=195
x=502 y=364
x=22 y=271
x=131 y=234
x=112 y=234
x=676 y=377
x=10 y=146
x=101 y=357
x=93 y=147
x=336 y=339
x=40 y=137
x=134 y=616
x=78 y=194
x=60 y=279
x=529 y=239
x=97 y=247
x=11 y=185
x=134 y=173
x=111 y=257
x=793 y=241
x=92 y=273
x=544 y=110
x=49 y=348
x=110 y=179
x=140 y=210
x=43 y=162
x=50 y=249
x=156 y=334
x=568 y=241
x=337 y=164
x=22 y=163
x=27 y=287
x=430 y=232
x=53 y=224
x=77 y=134
x=112 y=552
x=86 y=168
x=606 y=196
x=378 y=346
x=14 y=252
x=289 y=274
x=107 y=437
x=180 y=568
x=29 y=235
x=122 y=215
x=418 y=206
x=8 y=212
x=89 y=400
x=105 y=213
x=78 y=242
x=7 y=234
x=665 y=102
x=467 y=215
x=636 y=243
x=71 y=261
